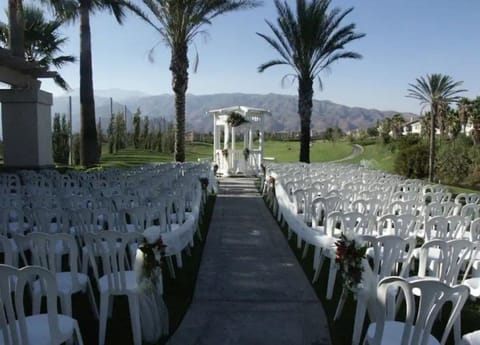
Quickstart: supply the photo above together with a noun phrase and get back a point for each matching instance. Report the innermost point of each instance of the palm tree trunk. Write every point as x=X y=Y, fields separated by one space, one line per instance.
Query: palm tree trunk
x=305 y=96
x=179 y=68
x=16 y=27
x=431 y=158
x=88 y=131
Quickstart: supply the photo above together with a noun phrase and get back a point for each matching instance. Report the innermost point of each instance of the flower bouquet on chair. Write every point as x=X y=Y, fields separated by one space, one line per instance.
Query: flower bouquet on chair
x=148 y=263
x=148 y=268
x=350 y=255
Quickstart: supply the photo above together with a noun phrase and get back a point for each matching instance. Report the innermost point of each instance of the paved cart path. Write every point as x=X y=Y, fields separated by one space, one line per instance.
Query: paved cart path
x=250 y=289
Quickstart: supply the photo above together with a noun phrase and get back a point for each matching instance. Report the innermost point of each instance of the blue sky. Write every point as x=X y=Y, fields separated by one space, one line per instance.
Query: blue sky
x=405 y=39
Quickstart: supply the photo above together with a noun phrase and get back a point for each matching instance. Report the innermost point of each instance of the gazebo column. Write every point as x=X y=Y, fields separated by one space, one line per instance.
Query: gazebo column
x=250 y=138
x=260 y=144
x=215 y=138
x=226 y=137
x=27 y=132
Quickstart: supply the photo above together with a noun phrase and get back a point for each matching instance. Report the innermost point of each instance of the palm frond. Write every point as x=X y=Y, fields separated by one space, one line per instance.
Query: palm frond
x=269 y=64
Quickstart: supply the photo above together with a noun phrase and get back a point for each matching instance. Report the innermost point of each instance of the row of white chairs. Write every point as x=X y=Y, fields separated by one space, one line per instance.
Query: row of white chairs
x=450 y=247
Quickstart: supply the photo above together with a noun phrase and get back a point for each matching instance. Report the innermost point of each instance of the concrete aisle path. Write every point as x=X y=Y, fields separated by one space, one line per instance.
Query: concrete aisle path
x=250 y=289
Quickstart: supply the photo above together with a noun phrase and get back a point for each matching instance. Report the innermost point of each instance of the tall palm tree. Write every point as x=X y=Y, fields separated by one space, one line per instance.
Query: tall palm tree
x=42 y=42
x=81 y=10
x=397 y=122
x=309 y=41
x=465 y=109
x=17 y=25
x=434 y=91
x=179 y=22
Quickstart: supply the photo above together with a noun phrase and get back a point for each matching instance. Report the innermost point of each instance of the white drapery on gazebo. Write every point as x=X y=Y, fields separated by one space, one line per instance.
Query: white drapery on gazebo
x=233 y=158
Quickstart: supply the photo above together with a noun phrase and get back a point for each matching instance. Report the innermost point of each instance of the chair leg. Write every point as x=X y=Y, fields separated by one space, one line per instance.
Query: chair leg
x=135 y=319
x=318 y=268
x=179 y=260
x=102 y=327
x=171 y=269
x=91 y=297
x=305 y=250
x=78 y=335
x=331 y=278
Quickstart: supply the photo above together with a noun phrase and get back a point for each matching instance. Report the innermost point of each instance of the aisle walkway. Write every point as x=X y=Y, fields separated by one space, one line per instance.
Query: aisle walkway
x=250 y=289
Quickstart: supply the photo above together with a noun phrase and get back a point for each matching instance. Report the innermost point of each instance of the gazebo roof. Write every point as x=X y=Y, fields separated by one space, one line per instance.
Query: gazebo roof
x=240 y=109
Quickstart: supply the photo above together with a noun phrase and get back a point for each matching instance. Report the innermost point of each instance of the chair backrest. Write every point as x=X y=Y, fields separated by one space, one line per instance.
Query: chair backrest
x=51 y=220
x=13 y=285
x=6 y=248
x=48 y=251
x=418 y=320
x=444 y=259
x=113 y=249
x=402 y=225
x=402 y=207
x=388 y=252
x=357 y=223
x=134 y=218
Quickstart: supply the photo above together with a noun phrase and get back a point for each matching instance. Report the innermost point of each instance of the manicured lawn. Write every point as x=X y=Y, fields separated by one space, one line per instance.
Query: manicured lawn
x=282 y=151
x=320 y=151
x=132 y=157
x=379 y=156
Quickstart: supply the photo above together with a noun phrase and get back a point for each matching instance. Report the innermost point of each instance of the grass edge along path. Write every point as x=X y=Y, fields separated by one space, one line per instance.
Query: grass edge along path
x=341 y=331
x=178 y=292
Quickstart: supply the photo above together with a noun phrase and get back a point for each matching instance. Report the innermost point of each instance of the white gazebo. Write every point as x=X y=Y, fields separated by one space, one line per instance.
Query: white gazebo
x=234 y=158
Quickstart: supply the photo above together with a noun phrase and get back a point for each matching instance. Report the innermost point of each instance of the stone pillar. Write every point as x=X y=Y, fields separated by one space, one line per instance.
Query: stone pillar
x=27 y=128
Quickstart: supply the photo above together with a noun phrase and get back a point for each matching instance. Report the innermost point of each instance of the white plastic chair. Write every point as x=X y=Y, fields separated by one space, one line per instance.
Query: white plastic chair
x=472 y=338
x=115 y=279
x=402 y=225
x=39 y=329
x=48 y=251
x=417 y=327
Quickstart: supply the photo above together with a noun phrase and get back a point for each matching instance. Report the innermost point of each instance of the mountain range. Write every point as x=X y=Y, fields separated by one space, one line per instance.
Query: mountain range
x=283 y=108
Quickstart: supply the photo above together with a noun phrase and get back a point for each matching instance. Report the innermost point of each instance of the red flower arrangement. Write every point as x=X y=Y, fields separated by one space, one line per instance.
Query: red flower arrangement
x=349 y=256
x=153 y=254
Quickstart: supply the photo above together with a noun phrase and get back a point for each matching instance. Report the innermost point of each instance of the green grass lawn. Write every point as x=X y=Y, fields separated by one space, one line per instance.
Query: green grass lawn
x=380 y=156
x=132 y=157
x=320 y=151
x=282 y=151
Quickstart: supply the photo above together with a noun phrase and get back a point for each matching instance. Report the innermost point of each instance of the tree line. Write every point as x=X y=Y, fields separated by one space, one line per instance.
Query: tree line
x=156 y=134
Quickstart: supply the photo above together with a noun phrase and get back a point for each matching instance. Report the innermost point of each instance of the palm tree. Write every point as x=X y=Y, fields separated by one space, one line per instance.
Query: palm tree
x=81 y=10
x=434 y=91
x=42 y=41
x=17 y=25
x=453 y=124
x=397 y=122
x=465 y=109
x=179 y=22
x=309 y=41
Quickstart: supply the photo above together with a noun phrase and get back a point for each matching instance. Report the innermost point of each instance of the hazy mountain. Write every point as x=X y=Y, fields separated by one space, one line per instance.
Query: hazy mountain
x=283 y=108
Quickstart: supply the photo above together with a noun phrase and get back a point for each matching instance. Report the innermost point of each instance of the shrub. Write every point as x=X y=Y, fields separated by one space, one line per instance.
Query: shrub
x=453 y=164
x=412 y=161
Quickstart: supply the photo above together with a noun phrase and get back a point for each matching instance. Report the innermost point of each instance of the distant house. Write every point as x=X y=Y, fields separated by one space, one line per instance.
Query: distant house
x=412 y=127
x=468 y=128
x=190 y=136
